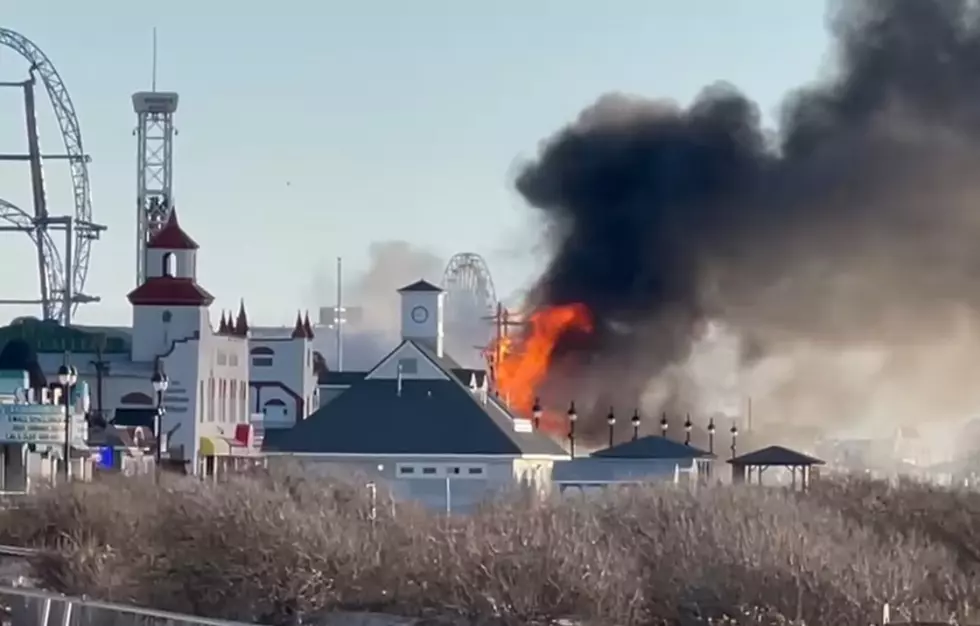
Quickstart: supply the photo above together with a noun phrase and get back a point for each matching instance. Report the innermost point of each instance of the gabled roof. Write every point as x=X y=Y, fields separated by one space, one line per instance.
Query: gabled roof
x=652 y=447
x=172 y=236
x=427 y=417
x=420 y=285
x=170 y=291
x=775 y=455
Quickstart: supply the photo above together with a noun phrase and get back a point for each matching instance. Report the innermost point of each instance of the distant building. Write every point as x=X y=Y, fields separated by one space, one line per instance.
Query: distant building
x=208 y=419
x=421 y=422
x=283 y=384
x=644 y=460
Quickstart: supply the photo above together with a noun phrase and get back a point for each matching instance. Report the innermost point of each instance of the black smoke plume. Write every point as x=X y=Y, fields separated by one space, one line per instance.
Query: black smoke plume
x=854 y=224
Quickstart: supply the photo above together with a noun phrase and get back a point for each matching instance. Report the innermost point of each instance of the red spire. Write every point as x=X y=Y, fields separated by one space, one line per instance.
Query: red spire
x=307 y=327
x=241 y=324
x=172 y=236
x=298 y=331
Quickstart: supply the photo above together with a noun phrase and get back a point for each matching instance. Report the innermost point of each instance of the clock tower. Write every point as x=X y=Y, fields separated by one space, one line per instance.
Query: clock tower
x=422 y=314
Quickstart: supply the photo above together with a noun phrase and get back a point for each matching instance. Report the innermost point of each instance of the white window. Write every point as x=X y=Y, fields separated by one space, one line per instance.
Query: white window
x=442 y=471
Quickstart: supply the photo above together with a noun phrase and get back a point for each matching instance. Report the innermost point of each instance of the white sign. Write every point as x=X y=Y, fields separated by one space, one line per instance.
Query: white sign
x=39 y=423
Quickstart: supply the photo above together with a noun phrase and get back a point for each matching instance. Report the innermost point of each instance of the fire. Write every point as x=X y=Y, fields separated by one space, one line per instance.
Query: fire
x=524 y=360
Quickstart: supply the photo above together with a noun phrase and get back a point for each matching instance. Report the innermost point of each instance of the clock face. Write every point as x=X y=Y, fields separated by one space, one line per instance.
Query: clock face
x=420 y=314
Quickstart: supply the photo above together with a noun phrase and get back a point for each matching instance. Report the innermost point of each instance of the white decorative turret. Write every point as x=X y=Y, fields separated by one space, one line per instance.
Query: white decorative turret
x=169 y=305
x=422 y=314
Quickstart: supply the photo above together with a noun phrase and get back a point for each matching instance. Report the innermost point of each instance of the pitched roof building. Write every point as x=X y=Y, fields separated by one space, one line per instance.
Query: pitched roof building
x=417 y=415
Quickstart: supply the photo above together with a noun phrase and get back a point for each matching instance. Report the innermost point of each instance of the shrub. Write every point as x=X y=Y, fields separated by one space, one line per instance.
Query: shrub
x=272 y=548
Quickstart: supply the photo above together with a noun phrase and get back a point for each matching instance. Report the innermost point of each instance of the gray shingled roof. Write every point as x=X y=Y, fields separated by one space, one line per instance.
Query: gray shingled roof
x=420 y=285
x=775 y=455
x=652 y=447
x=340 y=378
x=427 y=417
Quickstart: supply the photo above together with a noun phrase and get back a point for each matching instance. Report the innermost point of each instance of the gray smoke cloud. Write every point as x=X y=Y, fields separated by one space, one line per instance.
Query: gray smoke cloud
x=833 y=263
x=375 y=329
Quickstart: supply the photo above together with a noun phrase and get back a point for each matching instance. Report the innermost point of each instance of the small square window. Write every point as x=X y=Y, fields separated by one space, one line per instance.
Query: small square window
x=406 y=470
x=429 y=471
x=454 y=470
x=408 y=366
x=475 y=471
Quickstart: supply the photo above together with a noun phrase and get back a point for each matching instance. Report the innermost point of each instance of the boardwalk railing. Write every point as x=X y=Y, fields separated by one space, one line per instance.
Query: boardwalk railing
x=23 y=607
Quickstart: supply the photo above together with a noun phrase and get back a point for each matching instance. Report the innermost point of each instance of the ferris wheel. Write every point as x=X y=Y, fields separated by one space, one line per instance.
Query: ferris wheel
x=470 y=301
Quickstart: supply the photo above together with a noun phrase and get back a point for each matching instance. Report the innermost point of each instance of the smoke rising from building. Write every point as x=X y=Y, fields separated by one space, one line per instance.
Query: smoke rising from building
x=391 y=265
x=836 y=261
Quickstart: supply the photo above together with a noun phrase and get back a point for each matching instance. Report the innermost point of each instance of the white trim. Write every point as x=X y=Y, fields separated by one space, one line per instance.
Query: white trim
x=419 y=354
x=441 y=471
x=367 y=455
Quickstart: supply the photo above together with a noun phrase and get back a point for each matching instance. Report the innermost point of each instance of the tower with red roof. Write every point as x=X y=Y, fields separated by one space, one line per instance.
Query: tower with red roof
x=169 y=306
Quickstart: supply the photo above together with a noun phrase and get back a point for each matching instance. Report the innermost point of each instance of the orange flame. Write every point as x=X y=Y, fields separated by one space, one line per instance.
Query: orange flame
x=524 y=361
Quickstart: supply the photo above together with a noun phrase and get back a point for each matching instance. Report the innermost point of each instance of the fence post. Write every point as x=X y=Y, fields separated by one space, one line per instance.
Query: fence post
x=886 y=614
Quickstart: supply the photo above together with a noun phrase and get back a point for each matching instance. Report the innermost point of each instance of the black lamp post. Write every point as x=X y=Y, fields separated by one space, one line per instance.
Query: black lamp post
x=611 y=420
x=687 y=430
x=734 y=431
x=636 y=424
x=663 y=425
x=536 y=413
x=67 y=377
x=160 y=383
x=711 y=436
x=572 y=418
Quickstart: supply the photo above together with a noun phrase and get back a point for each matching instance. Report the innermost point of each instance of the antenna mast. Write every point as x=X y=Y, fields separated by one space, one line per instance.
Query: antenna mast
x=154 y=80
x=339 y=315
x=154 y=162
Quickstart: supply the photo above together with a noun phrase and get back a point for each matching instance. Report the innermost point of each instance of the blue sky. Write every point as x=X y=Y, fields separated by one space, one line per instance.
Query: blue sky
x=310 y=128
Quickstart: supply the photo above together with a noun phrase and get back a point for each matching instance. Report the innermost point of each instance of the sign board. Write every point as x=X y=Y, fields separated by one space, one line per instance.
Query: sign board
x=42 y=424
x=38 y=416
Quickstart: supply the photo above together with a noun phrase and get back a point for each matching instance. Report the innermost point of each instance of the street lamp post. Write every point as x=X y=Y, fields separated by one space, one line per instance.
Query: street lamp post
x=636 y=424
x=687 y=430
x=536 y=413
x=160 y=383
x=611 y=421
x=572 y=418
x=664 y=425
x=67 y=377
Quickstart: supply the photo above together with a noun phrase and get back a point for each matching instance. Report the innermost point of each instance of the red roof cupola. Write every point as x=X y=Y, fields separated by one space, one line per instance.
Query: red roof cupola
x=172 y=236
x=170 y=291
x=171 y=270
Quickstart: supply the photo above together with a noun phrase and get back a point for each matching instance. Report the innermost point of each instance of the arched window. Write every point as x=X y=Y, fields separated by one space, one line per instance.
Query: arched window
x=275 y=410
x=136 y=398
x=262 y=356
x=169 y=265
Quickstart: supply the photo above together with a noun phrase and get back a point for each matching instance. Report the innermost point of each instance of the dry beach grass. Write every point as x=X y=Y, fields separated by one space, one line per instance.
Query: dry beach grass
x=270 y=549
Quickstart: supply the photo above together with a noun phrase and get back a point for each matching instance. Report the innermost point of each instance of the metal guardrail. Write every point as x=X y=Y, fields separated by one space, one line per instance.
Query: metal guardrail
x=32 y=607
x=26 y=607
x=17 y=551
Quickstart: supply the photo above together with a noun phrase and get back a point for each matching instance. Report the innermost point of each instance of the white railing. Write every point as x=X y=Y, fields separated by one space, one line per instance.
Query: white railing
x=24 y=607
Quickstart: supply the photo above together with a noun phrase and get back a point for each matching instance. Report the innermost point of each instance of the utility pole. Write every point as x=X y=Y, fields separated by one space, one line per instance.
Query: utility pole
x=338 y=315
x=101 y=369
x=502 y=324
